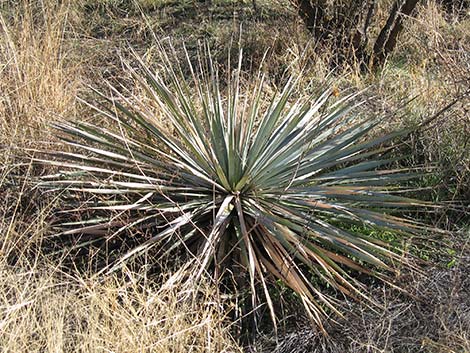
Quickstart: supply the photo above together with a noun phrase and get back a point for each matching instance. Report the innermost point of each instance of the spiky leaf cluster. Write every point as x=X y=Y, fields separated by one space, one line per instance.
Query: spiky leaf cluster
x=274 y=186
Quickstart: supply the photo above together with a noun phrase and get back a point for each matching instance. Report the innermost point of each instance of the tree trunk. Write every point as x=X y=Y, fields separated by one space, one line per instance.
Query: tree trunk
x=343 y=25
x=387 y=39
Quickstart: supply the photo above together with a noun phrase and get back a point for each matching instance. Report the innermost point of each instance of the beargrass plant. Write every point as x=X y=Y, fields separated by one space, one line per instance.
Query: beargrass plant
x=269 y=189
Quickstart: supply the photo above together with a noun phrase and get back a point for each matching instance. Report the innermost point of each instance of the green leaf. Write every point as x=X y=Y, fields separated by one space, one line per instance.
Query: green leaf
x=275 y=190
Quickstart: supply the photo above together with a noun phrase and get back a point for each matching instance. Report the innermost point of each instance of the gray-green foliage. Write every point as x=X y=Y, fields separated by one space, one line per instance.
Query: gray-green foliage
x=274 y=187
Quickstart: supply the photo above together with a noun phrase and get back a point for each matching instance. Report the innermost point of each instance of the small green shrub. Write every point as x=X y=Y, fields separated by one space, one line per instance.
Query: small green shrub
x=266 y=191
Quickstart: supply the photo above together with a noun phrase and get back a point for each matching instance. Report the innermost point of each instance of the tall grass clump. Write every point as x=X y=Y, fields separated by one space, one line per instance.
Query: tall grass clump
x=37 y=82
x=44 y=310
x=244 y=186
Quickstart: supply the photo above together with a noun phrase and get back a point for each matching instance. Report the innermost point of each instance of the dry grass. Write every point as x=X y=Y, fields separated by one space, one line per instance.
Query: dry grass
x=42 y=67
x=437 y=320
x=38 y=85
x=37 y=81
x=433 y=65
x=43 y=310
x=430 y=65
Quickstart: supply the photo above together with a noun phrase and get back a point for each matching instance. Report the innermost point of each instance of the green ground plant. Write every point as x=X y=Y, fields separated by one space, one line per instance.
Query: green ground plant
x=53 y=50
x=271 y=189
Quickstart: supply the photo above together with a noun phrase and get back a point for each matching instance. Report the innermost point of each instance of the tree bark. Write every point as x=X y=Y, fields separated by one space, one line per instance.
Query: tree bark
x=387 y=39
x=343 y=26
